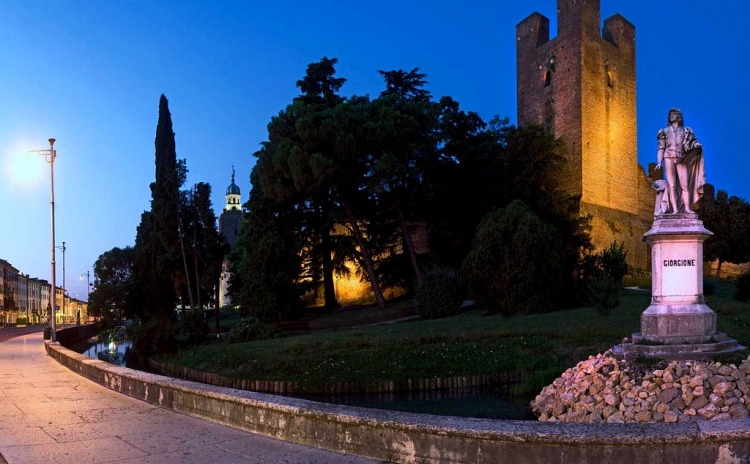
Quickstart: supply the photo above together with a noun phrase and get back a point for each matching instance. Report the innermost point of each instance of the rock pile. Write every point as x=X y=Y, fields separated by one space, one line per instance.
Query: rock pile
x=603 y=389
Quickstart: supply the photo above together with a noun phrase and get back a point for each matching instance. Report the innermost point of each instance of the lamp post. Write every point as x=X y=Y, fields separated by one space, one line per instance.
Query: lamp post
x=49 y=156
x=88 y=287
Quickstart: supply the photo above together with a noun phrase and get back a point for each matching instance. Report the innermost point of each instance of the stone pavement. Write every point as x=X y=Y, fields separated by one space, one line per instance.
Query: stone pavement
x=51 y=415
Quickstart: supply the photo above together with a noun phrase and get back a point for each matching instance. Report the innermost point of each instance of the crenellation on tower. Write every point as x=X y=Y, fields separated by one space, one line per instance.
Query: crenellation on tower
x=533 y=30
x=619 y=32
x=581 y=84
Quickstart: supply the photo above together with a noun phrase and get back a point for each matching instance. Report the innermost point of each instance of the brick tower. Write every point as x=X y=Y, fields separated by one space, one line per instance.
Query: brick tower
x=582 y=85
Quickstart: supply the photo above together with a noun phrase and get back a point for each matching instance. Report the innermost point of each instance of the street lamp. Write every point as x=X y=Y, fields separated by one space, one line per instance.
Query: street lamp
x=63 y=248
x=49 y=156
x=88 y=287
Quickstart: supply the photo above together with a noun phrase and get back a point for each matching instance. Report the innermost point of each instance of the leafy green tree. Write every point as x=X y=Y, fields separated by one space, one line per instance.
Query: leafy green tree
x=729 y=219
x=264 y=262
x=284 y=173
x=604 y=273
x=462 y=183
x=313 y=159
x=203 y=244
x=517 y=262
x=400 y=135
x=113 y=272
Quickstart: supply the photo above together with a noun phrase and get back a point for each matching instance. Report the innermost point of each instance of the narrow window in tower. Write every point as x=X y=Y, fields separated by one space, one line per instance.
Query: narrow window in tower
x=608 y=73
x=547 y=78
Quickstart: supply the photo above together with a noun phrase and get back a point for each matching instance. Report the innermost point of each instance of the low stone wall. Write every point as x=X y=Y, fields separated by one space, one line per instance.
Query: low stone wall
x=71 y=335
x=416 y=438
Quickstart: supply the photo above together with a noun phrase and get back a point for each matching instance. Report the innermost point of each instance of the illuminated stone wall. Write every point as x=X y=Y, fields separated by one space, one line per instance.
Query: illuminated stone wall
x=582 y=85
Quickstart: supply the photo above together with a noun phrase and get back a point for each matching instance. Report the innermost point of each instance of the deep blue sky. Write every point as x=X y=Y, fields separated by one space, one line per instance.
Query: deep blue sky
x=90 y=75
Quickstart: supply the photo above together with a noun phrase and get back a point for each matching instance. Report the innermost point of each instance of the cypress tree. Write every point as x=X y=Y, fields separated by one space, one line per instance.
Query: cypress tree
x=157 y=244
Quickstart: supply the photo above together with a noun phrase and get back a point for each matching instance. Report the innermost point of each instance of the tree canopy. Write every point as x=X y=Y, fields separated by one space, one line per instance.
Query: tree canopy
x=392 y=170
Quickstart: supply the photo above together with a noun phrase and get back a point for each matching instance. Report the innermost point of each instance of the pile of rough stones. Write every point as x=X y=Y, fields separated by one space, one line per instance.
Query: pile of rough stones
x=603 y=389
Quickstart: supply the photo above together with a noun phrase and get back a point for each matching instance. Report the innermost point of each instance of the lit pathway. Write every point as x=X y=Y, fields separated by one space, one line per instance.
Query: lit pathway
x=51 y=415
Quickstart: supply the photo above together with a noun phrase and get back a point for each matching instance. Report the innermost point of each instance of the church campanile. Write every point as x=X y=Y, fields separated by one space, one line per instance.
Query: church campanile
x=229 y=228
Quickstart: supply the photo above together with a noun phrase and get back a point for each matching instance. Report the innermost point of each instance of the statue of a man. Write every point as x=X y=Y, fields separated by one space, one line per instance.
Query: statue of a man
x=682 y=156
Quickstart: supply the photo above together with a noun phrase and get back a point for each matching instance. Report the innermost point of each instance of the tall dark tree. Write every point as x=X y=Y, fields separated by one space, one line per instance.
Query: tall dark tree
x=462 y=182
x=157 y=256
x=400 y=134
x=313 y=159
x=203 y=244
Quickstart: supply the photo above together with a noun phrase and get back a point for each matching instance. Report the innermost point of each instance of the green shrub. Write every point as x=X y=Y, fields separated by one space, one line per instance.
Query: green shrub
x=21 y=320
x=742 y=287
x=603 y=276
x=516 y=262
x=604 y=293
x=249 y=329
x=438 y=295
x=709 y=285
x=614 y=261
x=194 y=325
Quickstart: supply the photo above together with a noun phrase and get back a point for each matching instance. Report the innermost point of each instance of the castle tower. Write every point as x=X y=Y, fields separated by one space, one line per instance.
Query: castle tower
x=582 y=85
x=229 y=228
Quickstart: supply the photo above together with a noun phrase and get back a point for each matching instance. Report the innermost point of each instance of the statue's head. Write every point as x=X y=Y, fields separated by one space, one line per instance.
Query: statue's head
x=675 y=113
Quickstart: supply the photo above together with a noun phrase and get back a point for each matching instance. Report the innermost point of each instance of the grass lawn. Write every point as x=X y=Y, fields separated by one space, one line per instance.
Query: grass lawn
x=538 y=346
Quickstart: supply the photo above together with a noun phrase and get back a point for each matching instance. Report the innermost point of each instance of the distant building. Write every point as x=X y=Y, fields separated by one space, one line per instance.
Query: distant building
x=581 y=84
x=229 y=227
x=23 y=295
x=38 y=300
x=9 y=307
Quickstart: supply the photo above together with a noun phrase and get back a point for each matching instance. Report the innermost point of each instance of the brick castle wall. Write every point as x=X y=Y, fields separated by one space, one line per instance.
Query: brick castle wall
x=582 y=85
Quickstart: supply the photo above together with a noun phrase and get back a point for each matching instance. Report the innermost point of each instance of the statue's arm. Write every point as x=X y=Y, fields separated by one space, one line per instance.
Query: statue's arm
x=661 y=138
x=690 y=140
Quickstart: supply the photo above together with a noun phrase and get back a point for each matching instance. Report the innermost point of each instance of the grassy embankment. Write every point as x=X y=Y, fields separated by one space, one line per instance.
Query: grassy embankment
x=538 y=346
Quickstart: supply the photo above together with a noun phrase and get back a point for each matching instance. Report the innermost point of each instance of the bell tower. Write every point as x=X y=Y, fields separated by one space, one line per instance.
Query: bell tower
x=229 y=228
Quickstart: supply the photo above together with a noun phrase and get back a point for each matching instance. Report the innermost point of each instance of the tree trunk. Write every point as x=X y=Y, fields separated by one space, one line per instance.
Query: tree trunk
x=329 y=290
x=408 y=243
x=718 y=268
x=366 y=259
x=217 y=291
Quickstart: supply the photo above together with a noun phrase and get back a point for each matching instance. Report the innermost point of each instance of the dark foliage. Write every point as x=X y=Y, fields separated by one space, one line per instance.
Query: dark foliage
x=249 y=329
x=742 y=288
x=517 y=262
x=265 y=264
x=438 y=295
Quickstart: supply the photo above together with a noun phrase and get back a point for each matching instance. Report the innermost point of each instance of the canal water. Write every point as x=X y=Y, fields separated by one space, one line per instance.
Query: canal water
x=478 y=402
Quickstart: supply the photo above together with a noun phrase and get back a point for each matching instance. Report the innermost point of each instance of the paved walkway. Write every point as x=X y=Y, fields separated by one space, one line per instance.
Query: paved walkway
x=51 y=415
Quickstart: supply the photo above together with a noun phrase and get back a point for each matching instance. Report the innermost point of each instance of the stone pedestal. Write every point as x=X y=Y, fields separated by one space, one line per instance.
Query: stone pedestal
x=677 y=324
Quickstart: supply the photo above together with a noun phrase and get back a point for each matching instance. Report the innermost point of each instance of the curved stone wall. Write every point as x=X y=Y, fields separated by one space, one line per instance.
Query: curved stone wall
x=417 y=438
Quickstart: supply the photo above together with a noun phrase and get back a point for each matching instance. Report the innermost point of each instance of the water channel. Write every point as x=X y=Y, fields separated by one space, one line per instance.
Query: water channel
x=479 y=402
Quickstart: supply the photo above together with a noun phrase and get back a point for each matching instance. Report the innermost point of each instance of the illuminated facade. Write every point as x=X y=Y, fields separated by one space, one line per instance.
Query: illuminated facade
x=581 y=84
x=28 y=298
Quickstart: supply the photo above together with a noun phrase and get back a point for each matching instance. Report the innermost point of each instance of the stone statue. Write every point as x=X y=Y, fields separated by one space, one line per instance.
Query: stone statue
x=682 y=156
